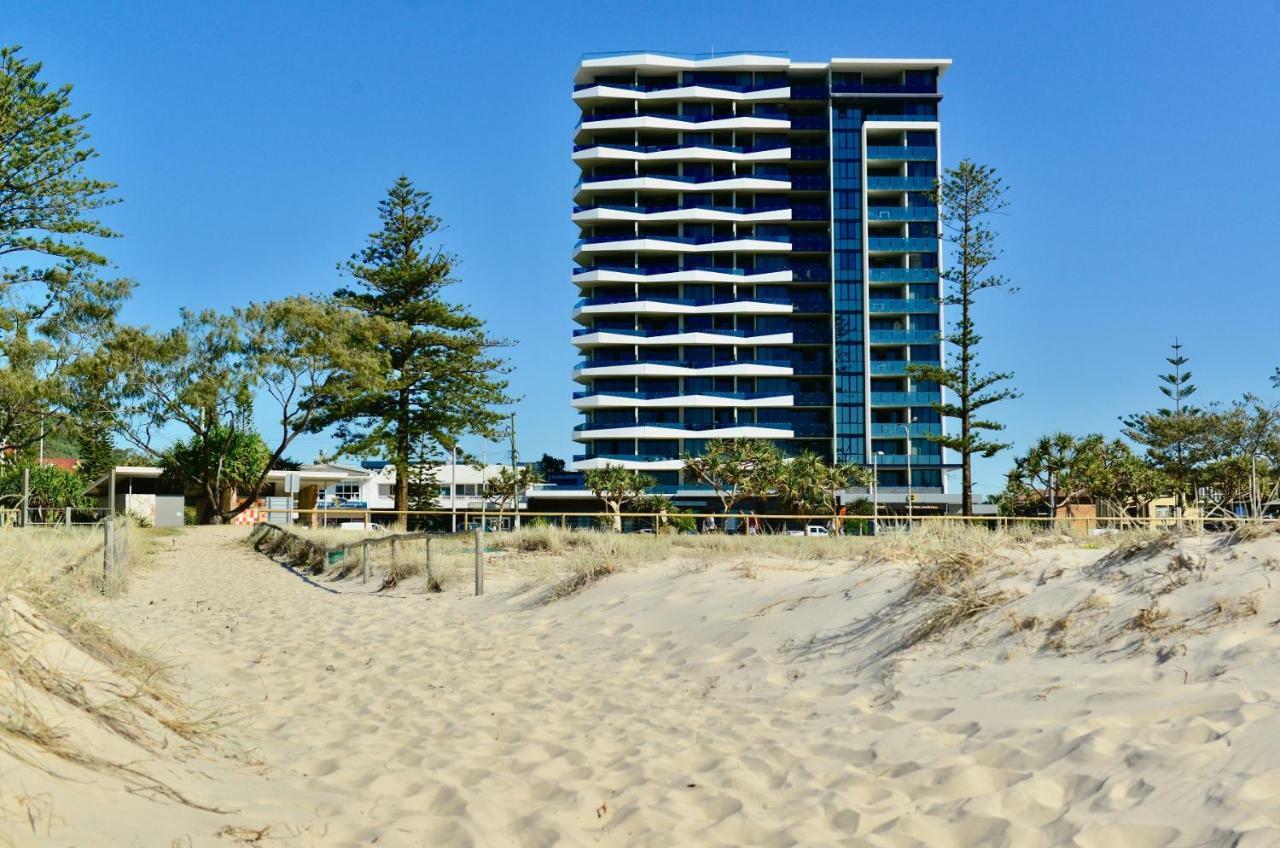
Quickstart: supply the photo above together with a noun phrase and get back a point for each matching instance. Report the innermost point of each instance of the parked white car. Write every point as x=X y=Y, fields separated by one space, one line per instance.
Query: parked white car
x=811 y=530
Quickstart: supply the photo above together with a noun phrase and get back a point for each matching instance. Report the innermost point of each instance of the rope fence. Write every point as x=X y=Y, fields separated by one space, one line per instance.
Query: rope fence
x=745 y=521
x=301 y=553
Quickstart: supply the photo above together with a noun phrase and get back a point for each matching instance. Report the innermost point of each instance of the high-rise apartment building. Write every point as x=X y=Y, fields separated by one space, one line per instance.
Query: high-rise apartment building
x=758 y=258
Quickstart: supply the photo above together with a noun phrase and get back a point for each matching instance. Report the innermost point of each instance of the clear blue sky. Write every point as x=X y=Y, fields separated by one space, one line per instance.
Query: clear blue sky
x=252 y=141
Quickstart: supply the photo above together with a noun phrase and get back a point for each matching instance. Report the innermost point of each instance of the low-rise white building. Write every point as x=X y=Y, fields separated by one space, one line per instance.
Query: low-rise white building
x=370 y=484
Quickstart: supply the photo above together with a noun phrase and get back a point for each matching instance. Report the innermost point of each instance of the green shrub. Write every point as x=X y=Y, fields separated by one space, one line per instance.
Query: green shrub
x=189 y=516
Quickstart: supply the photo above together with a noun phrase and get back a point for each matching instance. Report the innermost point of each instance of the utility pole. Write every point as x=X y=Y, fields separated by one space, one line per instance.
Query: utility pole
x=515 y=475
x=875 y=493
x=906 y=428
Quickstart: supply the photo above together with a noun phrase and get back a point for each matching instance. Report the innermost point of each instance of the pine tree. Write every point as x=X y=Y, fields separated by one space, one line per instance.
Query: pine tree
x=97 y=452
x=54 y=305
x=1168 y=433
x=966 y=196
x=440 y=378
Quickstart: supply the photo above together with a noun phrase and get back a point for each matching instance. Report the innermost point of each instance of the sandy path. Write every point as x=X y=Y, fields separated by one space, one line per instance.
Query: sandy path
x=692 y=708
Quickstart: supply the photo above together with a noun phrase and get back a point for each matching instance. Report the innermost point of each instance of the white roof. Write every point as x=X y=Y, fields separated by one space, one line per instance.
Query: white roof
x=145 y=472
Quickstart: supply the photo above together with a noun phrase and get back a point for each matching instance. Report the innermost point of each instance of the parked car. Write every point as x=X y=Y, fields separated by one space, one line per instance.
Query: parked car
x=811 y=530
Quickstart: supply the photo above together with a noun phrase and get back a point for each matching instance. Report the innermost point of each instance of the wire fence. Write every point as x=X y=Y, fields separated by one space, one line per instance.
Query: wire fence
x=41 y=516
x=742 y=521
x=299 y=552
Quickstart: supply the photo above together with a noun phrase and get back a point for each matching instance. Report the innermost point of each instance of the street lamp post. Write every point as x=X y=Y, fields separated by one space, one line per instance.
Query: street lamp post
x=875 y=492
x=1255 y=506
x=453 y=490
x=906 y=429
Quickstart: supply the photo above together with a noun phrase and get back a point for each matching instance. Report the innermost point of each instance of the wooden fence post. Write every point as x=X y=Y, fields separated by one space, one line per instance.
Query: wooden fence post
x=479 y=562
x=364 y=561
x=108 y=550
x=26 y=498
x=430 y=569
x=67 y=520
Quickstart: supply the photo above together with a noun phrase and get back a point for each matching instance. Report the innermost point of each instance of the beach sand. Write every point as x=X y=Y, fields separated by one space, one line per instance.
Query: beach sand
x=1094 y=700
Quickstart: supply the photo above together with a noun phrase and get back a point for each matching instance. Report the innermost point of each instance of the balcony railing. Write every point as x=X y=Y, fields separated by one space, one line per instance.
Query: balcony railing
x=905 y=398
x=813 y=399
x=889 y=116
x=896 y=367
x=680 y=301
x=677 y=425
x=681 y=363
x=903 y=245
x=626 y=457
x=588 y=179
x=680 y=239
x=806 y=182
x=811 y=304
x=648 y=210
x=919 y=460
x=810 y=212
x=918 y=429
x=674 y=269
x=811 y=335
x=809 y=122
x=641 y=148
x=671 y=116
x=742 y=89
x=657 y=334
x=902 y=213
x=903 y=154
x=905 y=275
x=905 y=337
x=809 y=369
x=673 y=395
x=808 y=92
x=852 y=87
x=819 y=244
x=900 y=183
x=893 y=305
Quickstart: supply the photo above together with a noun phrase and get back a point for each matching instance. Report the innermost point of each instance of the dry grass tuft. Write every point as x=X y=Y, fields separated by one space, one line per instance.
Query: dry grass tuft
x=45 y=575
x=952 y=585
x=583 y=577
x=1251 y=531
x=1144 y=542
x=1230 y=609
x=1148 y=619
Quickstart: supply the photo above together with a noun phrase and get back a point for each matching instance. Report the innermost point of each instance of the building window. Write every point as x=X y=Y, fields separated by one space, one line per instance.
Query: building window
x=346 y=492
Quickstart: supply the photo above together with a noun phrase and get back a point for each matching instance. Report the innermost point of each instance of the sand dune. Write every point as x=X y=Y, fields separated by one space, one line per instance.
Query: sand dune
x=1096 y=700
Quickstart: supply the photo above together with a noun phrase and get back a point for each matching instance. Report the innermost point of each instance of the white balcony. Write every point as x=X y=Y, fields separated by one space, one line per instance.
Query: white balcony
x=690 y=215
x=658 y=307
x=613 y=339
x=684 y=275
x=659 y=369
x=609 y=153
x=661 y=244
x=675 y=124
x=605 y=401
x=637 y=183
x=605 y=92
x=675 y=431
x=642 y=465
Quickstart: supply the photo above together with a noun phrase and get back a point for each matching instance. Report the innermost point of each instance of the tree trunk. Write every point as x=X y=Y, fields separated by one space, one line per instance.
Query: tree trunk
x=402 y=463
